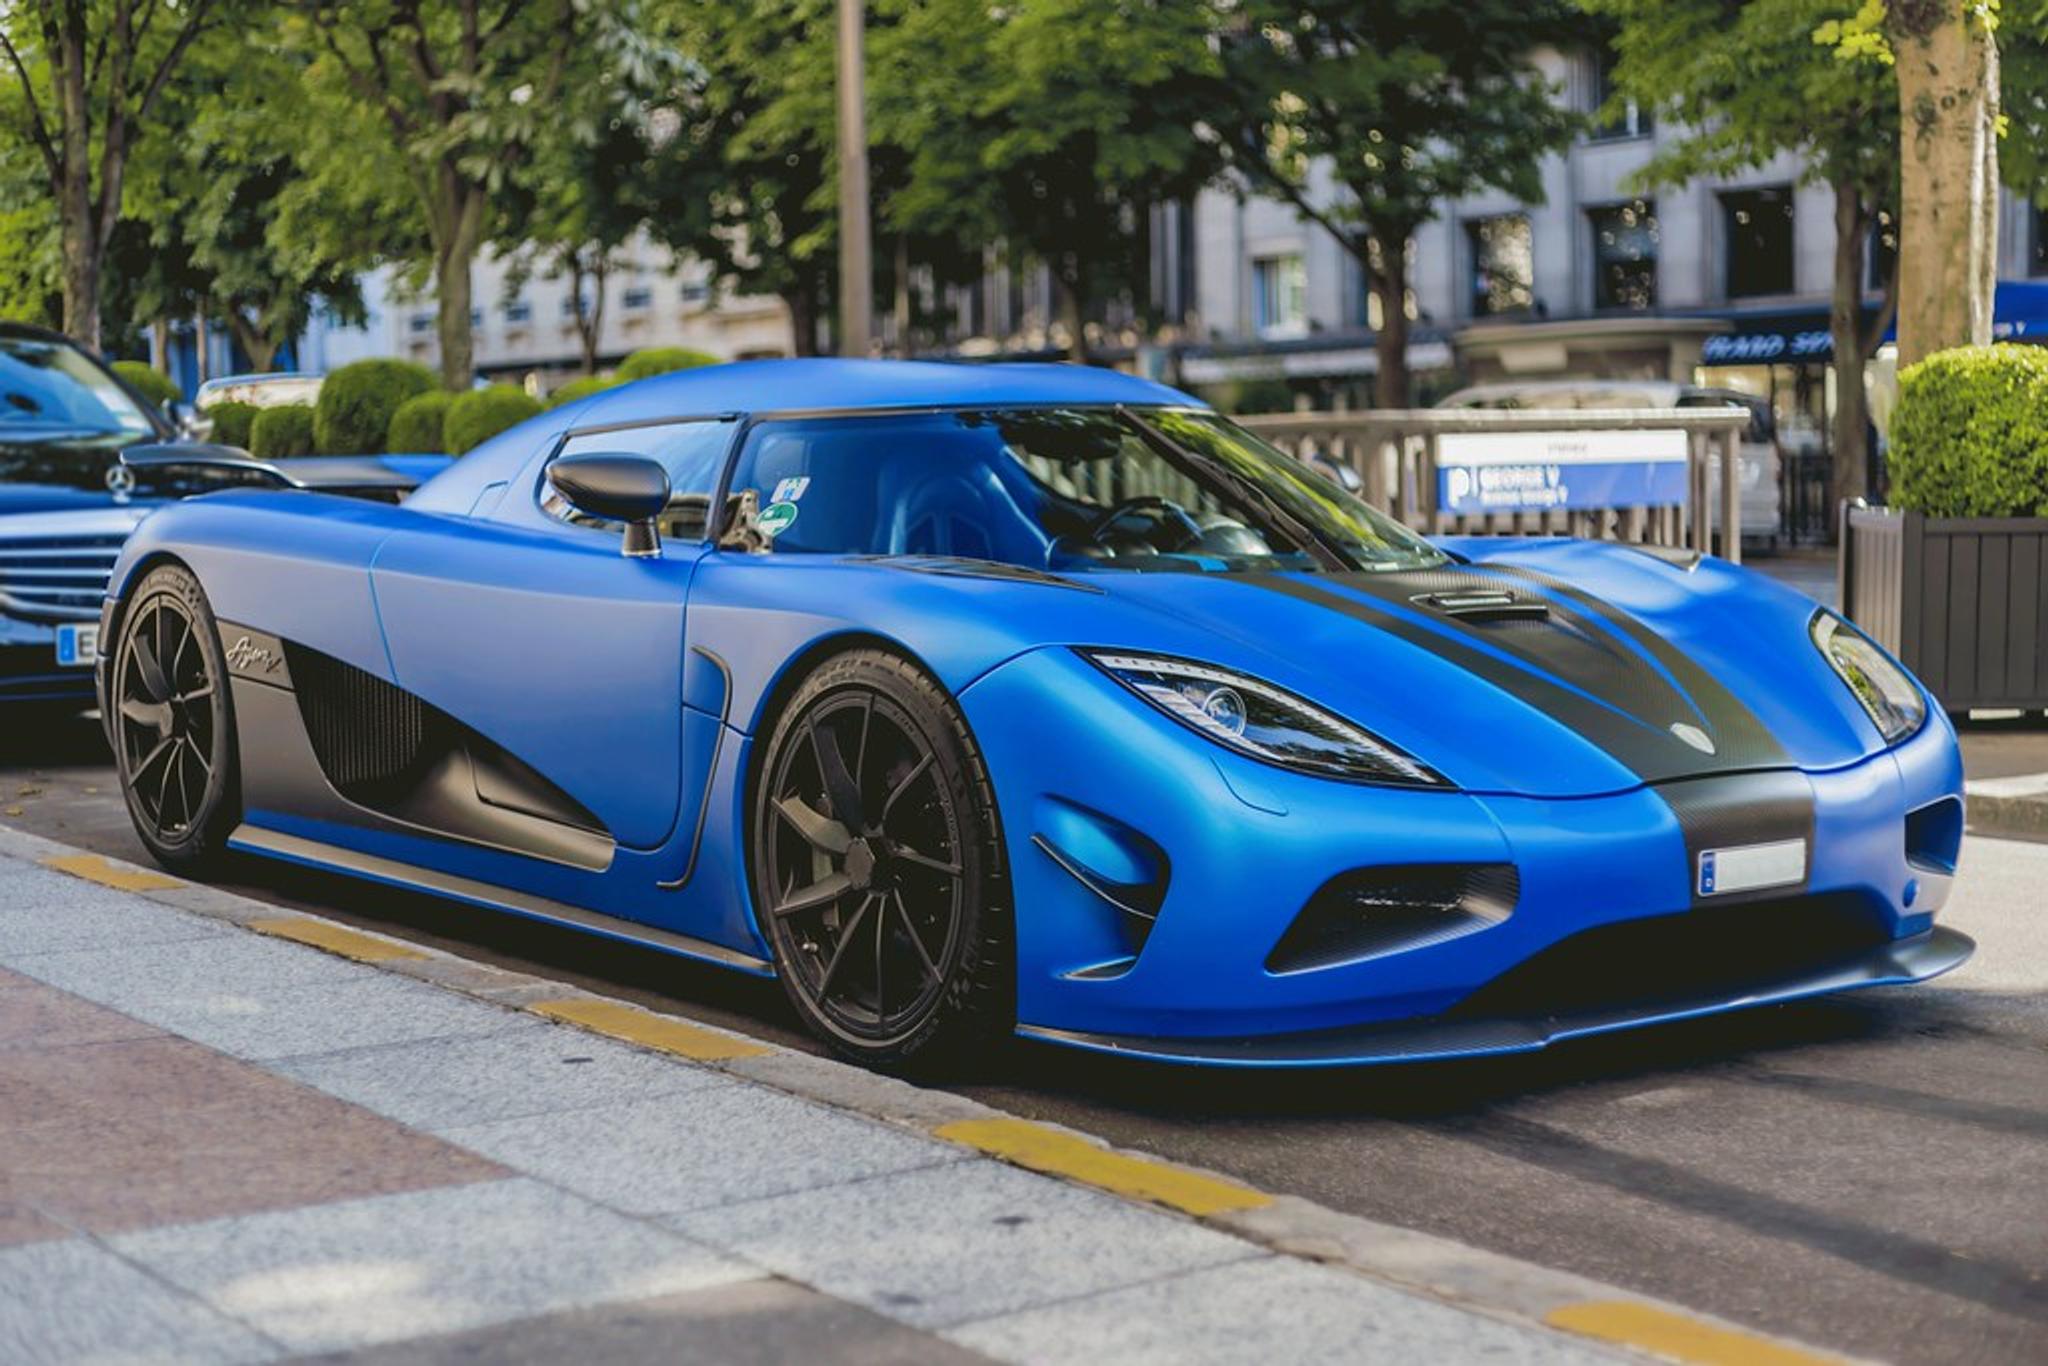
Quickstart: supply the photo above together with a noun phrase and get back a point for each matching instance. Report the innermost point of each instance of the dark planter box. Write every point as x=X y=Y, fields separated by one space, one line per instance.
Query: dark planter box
x=1960 y=600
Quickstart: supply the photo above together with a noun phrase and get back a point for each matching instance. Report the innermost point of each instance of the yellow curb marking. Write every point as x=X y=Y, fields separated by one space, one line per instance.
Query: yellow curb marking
x=93 y=868
x=1673 y=1335
x=650 y=1030
x=1138 y=1178
x=364 y=948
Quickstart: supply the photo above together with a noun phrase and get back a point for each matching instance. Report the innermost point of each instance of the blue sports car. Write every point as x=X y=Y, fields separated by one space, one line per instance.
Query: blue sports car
x=971 y=700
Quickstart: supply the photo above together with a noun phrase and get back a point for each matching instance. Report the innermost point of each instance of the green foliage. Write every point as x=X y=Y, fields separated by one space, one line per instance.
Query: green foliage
x=480 y=414
x=659 y=360
x=285 y=430
x=232 y=421
x=418 y=424
x=356 y=403
x=583 y=386
x=1970 y=433
x=152 y=383
x=2023 y=96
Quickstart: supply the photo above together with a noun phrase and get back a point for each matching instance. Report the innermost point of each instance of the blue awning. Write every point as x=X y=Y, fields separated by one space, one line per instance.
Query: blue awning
x=2019 y=314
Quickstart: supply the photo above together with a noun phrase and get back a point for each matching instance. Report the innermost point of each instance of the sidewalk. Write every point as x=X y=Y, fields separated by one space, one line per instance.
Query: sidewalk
x=231 y=1133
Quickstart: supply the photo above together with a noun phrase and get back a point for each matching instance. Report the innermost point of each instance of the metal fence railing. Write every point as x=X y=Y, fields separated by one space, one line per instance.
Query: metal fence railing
x=1656 y=476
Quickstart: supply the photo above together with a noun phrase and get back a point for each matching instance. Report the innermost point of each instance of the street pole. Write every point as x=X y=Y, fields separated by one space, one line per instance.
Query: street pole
x=856 y=258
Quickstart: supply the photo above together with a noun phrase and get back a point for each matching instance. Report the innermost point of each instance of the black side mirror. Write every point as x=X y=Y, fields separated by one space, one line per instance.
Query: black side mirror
x=616 y=487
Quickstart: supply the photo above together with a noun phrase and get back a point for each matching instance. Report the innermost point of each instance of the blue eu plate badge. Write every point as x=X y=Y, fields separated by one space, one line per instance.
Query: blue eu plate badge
x=77 y=642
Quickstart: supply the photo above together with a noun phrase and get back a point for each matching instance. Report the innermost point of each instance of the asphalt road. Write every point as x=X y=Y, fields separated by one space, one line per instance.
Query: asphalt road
x=1868 y=1173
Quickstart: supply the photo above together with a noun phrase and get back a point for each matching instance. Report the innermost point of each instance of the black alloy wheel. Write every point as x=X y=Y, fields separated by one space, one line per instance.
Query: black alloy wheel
x=172 y=728
x=876 y=866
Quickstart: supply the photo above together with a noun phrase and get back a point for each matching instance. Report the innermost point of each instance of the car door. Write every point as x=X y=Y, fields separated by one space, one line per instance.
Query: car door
x=533 y=630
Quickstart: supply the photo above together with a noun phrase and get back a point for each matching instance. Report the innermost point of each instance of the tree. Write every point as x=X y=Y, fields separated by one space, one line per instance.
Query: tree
x=455 y=93
x=1405 y=104
x=1947 y=62
x=90 y=73
x=1048 y=125
x=1747 y=81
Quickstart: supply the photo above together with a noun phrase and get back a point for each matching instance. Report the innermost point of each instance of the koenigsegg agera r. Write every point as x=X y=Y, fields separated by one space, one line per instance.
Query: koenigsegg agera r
x=1041 y=698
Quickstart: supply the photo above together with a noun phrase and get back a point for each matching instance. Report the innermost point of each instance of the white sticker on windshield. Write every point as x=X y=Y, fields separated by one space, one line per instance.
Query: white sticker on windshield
x=791 y=489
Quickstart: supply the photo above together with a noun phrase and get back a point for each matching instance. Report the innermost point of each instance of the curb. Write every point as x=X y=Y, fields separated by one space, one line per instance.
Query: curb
x=2008 y=806
x=1464 y=1277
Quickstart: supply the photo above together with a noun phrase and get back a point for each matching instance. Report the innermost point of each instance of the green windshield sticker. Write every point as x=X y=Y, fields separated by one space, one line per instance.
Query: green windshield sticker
x=775 y=518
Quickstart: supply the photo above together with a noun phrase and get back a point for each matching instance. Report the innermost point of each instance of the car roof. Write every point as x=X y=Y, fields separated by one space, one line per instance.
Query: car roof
x=831 y=385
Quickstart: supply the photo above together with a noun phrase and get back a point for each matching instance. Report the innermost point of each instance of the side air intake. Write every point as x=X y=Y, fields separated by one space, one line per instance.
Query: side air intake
x=368 y=734
x=1368 y=912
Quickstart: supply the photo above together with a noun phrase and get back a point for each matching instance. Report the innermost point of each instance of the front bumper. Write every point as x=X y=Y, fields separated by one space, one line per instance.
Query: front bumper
x=1246 y=846
x=28 y=667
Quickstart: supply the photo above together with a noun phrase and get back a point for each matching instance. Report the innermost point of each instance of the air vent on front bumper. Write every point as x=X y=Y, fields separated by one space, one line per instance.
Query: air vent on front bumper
x=1373 y=911
x=56 y=578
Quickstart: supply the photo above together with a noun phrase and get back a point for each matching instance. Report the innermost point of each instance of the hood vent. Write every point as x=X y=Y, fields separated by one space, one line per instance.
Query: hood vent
x=1486 y=604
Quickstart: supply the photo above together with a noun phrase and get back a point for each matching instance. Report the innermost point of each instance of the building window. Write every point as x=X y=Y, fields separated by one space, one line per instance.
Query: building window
x=1881 y=253
x=476 y=317
x=1614 y=118
x=696 y=292
x=2037 y=259
x=421 y=322
x=518 y=311
x=1503 y=254
x=638 y=296
x=1625 y=244
x=1280 y=295
x=1757 y=231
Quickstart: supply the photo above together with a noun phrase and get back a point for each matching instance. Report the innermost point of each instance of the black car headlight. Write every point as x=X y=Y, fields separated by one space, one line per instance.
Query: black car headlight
x=1893 y=700
x=1257 y=719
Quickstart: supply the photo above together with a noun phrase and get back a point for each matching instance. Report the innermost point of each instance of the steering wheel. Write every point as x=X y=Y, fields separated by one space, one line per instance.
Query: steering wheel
x=1149 y=502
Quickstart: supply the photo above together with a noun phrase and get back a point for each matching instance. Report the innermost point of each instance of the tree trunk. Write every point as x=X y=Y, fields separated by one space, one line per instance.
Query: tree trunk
x=1849 y=476
x=1947 y=66
x=1073 y=306
x=902 y=309
x=256 y=341
x=1387 y=273
x=459 y=219
x=802 y=301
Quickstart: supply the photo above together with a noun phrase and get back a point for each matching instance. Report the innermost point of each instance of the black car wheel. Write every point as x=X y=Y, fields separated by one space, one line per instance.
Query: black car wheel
x=877 y=866
x=173 y=732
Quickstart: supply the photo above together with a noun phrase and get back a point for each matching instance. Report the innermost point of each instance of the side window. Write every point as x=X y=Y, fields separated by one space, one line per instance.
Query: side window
x=693 y=453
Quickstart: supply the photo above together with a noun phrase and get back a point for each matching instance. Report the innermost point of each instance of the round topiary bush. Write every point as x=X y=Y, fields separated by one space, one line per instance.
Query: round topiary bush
x=477 y=416
x=416 y=428
x=356 y=402
x=285 y=430
x=152 y=383
x=1969 y=437
x=231 y=421
x=581 y=387
x=659 y=360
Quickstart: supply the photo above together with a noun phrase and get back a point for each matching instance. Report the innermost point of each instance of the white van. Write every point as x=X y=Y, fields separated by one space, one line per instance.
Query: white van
x=1757 y=455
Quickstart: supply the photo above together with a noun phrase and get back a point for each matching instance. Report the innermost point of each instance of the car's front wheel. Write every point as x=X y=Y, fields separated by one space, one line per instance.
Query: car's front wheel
x=877 y=866
x=173 y=732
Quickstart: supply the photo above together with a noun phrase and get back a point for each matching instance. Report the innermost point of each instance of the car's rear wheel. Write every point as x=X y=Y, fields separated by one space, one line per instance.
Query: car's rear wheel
x=877 y=866
x=173 y=730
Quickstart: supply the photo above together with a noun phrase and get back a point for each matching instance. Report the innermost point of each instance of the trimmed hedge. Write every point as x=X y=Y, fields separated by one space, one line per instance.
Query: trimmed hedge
x=231 y=421
x=417 y=426
x=152 y=383
x=477 y=416
x=357 y=401
x=659 y=360
x=1969 y=437
x=285 y=430
x=581 y=387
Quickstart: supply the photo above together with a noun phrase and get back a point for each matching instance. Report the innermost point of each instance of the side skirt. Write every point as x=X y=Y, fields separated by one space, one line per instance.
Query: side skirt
x=331 y=858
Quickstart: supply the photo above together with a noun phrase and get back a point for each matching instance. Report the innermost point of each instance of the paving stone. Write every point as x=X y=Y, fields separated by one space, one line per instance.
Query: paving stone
x=262 y=999
x=130 y=1134
x=356 y=1273
x=961 y=1242
x=46 y=912
x=754 y=1323
x=1274 y=1309
x=528 y=1068
x=35 y=1016
x=713 y=1145
x=71 y=1301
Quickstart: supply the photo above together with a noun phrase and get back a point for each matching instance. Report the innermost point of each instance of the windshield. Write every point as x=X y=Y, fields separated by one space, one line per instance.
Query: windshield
x=1062 y=489
x=50 y=384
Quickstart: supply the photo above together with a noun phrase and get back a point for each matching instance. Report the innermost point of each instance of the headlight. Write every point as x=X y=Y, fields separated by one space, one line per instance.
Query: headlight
x=1257 y=719
x=1892 y=699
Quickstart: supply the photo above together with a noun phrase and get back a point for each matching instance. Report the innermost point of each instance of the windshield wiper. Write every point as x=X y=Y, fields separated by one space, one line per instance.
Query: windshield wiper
x=1202 y=470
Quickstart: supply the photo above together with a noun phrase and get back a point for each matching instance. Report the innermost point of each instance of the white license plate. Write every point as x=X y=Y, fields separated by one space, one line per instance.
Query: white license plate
x=77 y=643
x=1748 y=867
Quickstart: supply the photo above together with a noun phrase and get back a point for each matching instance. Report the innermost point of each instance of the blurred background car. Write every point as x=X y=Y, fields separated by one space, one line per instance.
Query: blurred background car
x=258 y=391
